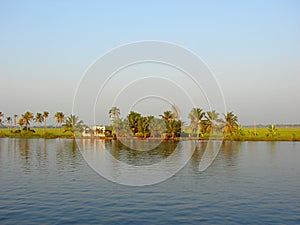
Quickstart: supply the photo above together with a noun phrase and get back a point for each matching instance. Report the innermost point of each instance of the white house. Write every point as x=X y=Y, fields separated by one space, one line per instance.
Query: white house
x=95 y=131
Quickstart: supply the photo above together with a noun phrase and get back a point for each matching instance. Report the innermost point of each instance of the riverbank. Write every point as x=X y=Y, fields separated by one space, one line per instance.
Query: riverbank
x=246 y=134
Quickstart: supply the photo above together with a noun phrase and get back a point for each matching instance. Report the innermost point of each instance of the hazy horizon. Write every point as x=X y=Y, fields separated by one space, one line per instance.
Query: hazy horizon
x=252 y=48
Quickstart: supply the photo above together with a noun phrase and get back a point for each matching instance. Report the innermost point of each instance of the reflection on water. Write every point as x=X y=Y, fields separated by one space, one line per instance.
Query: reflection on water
x=118 y=163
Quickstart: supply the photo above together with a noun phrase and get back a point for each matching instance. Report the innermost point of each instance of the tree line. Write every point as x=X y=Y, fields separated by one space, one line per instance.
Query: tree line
x=70 y=123
x=168 y=125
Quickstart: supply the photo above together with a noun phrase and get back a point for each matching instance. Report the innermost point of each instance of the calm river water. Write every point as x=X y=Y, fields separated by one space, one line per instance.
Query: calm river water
x=49 y=182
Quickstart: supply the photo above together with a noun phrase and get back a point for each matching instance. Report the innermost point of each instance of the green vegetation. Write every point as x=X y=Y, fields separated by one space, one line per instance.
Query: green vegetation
x=35 y=133
x=202 y=125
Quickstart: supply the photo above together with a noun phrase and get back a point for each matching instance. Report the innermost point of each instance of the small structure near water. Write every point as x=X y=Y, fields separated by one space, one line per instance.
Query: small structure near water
x=94 y=131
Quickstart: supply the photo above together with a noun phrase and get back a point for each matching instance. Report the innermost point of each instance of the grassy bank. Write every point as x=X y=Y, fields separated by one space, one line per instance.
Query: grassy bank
x=246 y=134
x=263 y=134
x=35 y=133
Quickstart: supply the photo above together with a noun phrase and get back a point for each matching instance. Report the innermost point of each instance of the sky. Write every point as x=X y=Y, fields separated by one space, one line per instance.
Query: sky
x=251 y=47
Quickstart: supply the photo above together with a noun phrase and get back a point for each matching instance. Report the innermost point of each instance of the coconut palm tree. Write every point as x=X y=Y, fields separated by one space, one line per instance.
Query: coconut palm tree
x=21 y=123
x=73 y=124
x=133 y=118
x=168 y=116
x=39 y=118
x=230 y=123
x=174 y=128
x=60 y=118
x=8 y=119
x=212 y=121
x=27 y=117
x=15 y=120
x=1 y=121
x=114 y=113
x=272 y=130
x=45 y=116
x=195 y=115
x=143 y=125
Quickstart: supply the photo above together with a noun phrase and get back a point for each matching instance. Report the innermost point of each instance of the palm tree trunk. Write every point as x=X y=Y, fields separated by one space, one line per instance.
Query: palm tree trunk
x=44 y=125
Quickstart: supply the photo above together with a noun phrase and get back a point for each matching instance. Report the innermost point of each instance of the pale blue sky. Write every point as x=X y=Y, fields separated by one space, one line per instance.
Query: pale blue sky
x=253 y=48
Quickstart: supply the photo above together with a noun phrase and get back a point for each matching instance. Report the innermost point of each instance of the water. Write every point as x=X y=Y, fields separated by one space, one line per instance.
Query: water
x=49 y=182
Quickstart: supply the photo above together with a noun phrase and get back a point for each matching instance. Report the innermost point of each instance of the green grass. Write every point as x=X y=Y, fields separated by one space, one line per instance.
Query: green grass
x=262 y=134
x=39 y=133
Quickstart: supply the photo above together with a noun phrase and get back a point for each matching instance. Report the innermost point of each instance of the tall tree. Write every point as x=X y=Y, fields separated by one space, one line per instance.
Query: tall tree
x=195 y=116
x=45 y=116
x=60 y=118
x=133 y=119
x=73 y=124
x=1 y=121
x=174 y=128
x=114 y=113
x=21 y=123
x=168 y=116
x=39 y=118
x=143 y=125
x=27 y=117
x=8 y=119
x=15 y=120
x=230 y=123
x=213 y=121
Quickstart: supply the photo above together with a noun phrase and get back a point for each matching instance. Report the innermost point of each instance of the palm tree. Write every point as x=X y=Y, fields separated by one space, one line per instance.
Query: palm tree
x=45 y=116
x=230 y=123
x=133 y=118
x=8 y=119
x=114 y=113
x=212 y=121
x=27 y=117
x=15 y=120
x=60 y=118
x=21 y=123
x=174 y=128
x=272 y=130
x=1 y=122
x=143 y=125
x=195 y=115
x=73 y=124
x=39 y=118
x=168 y=116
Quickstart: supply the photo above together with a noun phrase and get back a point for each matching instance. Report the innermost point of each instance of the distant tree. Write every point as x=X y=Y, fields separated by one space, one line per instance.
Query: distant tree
x=60 y=118
x=230 y=124
x=195 y=116
x=1 y=121
x=8 y=119
x=39 y=118
x=15 y=120
x=133 y=120
x=73 y=124
x=45 y=116
x=143 y=125
x=212 y=121
x=168 y=116
x=114 y=113
x=27 y=117
x=21 y=123
x=273 y=131
x=174 y=128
